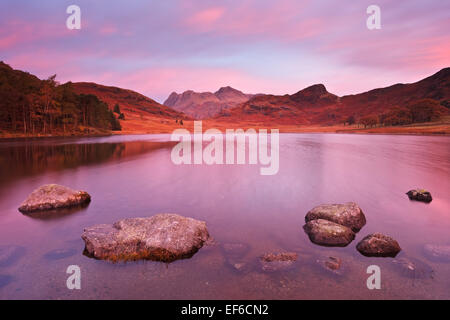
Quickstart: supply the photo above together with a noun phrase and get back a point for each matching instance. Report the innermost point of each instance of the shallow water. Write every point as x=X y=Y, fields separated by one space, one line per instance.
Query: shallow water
x=133 y=176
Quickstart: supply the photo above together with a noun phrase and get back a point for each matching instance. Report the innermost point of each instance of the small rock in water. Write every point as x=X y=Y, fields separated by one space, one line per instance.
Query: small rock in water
x=413 y=268
x=53 y=196
x=162 y=237
x=271 y=262
x=378 y=245
x=436 y=252
x=419 y=195
x=348 y=214
x=10 y=255
x=331 y=264
x=327 y=233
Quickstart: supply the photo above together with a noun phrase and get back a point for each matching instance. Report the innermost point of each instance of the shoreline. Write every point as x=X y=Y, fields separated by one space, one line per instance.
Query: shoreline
x=438 y=129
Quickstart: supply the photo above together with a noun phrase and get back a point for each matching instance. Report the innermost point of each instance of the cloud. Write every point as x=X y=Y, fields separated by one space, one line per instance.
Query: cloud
x=254 y=45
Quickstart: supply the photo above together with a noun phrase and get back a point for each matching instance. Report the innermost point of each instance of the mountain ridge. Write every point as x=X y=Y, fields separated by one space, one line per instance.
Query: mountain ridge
x=315 y=105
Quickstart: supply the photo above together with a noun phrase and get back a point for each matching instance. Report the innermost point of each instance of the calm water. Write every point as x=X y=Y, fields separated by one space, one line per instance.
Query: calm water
x=133 y=176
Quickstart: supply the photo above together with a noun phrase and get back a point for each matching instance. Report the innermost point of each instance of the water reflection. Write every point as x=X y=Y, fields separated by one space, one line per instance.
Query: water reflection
x=28 y=158
x=134 y=177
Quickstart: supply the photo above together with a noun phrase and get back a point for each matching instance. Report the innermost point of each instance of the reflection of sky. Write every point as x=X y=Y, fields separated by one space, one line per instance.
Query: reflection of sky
x=156 y=47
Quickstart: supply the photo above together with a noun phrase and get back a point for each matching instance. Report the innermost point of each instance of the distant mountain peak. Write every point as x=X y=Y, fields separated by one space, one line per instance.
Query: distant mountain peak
x=206 y=104
x=316 y=89
x=226 y=89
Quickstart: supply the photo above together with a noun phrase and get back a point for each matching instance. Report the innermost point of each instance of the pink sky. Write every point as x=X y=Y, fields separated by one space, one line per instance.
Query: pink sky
x=156 y=47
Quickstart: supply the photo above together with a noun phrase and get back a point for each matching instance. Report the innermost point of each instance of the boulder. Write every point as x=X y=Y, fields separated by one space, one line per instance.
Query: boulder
x=419 y=195
x=437 y=252
x=327 y=233
x=162 y=237
x=378 y=245
x=53 y=196
x=272 y=262
x=348 y=214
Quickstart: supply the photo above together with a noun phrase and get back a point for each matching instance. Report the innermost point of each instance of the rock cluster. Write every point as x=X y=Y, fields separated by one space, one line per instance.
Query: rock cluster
x=334 y=224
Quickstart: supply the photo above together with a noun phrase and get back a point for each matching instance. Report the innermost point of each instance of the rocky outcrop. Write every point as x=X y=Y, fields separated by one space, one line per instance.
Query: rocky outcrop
x=420 y=195
x=328 y=233
x=162 y=237
x=378 y=245
x=437 y=252
x=348 y=214
x=272 y=262
x=53 y=196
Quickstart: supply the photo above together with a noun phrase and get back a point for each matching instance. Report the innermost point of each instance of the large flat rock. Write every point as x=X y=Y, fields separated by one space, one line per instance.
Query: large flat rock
x=162 y=237
x=53 y=196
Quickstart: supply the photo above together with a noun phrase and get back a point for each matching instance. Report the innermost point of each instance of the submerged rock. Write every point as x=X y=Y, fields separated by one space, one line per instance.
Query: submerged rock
x=53 y=196
x=437 y=252
x=331 y=264
x=5 y=279
x=235 y=249
x=272 y=262
x=234 y=255
x=348 y=214
x=327 y=233
x=378 y=245
x=419 y=195
x=413 y=268
x=10 y=254
x=162 y=237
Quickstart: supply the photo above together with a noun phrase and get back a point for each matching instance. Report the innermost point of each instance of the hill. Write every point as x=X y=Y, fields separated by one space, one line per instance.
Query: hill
x=30 y=106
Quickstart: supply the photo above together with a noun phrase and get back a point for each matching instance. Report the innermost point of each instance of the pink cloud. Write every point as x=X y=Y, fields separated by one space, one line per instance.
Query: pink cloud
x=14 y=33
x=108 y=30
x=206 y=17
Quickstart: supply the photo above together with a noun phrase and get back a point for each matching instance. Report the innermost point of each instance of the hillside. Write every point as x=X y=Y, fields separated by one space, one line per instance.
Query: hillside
x=202 y=105
x=132 y=104
x=316 y=106
x=30 y=106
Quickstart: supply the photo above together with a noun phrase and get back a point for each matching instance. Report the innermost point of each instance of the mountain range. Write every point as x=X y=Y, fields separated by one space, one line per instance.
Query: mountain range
x=24 y=101
x=202 y=105
x=315 y=105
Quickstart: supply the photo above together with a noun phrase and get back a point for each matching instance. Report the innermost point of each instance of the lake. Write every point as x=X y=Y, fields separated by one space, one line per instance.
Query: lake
x=133 y=176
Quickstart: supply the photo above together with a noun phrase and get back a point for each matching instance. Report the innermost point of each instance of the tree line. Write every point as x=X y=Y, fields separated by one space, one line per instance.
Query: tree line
x=424 y=110
x=32 y=106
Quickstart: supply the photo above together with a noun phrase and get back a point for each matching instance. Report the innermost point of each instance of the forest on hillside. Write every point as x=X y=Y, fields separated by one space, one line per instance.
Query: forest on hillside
x=31 y=106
